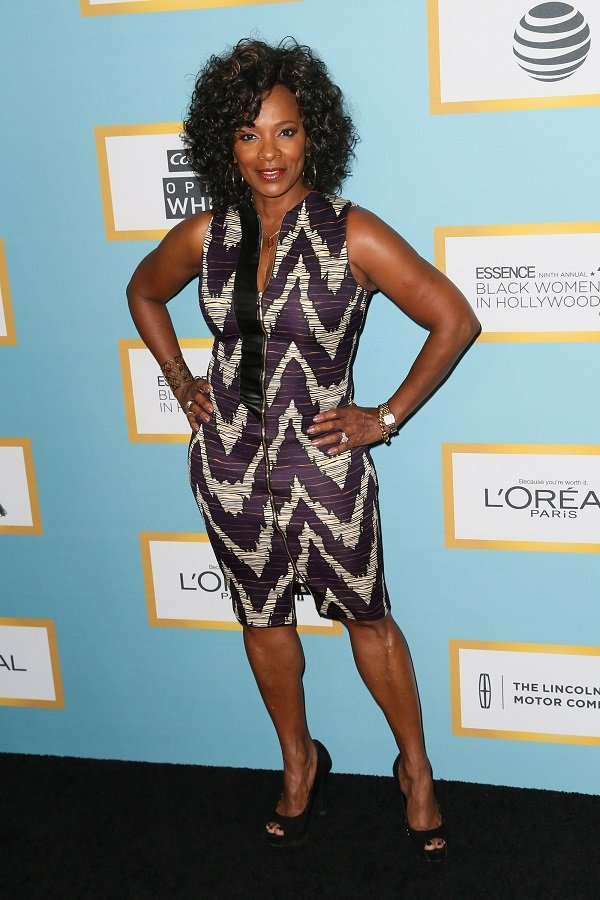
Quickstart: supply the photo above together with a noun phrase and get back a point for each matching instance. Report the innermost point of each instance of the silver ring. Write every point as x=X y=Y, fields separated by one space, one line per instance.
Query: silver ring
x=189 y=405
x=344 y=438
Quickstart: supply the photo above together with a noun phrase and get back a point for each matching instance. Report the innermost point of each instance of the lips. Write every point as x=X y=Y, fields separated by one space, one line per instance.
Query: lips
x=270 y=174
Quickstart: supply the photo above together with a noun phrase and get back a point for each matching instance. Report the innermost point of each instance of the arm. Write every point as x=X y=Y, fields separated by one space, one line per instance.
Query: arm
x=159 y=276
x=381 y=260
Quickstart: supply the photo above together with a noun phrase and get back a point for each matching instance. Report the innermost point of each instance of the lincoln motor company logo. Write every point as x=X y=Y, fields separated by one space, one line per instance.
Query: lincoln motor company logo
x=485 y=691
x=551 y=41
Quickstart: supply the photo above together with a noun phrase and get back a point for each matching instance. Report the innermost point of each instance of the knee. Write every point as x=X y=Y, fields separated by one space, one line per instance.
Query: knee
x=375 y=629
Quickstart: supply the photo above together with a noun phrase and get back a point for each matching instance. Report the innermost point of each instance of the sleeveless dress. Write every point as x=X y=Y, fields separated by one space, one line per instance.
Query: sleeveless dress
x=282 y=515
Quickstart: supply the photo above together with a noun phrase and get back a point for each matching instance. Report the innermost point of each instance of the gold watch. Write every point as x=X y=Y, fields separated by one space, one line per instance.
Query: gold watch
x=387 y=422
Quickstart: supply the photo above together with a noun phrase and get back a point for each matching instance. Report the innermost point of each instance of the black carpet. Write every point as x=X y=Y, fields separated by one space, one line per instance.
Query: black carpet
x=81 y=828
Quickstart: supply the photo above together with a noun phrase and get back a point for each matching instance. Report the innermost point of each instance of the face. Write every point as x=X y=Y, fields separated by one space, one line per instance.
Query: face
x=270 y=153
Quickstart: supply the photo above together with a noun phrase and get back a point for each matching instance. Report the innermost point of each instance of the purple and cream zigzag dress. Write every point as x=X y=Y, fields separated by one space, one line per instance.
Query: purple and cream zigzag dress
x=281 y=514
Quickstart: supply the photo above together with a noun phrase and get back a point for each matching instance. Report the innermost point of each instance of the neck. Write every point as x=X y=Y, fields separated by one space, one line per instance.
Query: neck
x=271 y=210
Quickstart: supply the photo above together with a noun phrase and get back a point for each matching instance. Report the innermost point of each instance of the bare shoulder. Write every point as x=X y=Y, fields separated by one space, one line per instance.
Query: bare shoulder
x=374 y=247
x=189 y=236
x=176 y=260
x=365 y=229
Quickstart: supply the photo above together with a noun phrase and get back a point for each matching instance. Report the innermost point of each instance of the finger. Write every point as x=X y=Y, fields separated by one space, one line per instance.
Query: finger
x=340 y=447
x=328 y=426
x=193 y=422
x=202 y=384
x=328 y=416
x=195 y=411
x=333 y=437
x=202 y=401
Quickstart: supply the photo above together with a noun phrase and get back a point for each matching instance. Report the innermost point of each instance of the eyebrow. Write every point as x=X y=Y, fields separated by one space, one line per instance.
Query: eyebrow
x=277 y=124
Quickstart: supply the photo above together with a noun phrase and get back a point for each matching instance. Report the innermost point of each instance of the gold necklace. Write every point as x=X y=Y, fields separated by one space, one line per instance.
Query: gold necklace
x=268 y=262
x=270 y=239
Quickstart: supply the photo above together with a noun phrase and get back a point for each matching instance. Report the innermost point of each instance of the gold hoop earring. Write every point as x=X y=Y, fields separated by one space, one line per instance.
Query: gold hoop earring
x=310 y=182
x=237 y=183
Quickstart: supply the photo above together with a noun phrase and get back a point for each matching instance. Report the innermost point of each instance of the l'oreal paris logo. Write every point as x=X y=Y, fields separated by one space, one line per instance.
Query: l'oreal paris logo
x=543 y=502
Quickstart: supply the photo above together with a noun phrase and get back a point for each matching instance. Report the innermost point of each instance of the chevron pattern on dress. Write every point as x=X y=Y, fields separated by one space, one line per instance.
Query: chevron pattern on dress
x=280 y=512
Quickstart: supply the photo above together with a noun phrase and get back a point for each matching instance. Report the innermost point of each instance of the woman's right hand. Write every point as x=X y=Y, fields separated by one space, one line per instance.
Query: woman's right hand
x=194 y=399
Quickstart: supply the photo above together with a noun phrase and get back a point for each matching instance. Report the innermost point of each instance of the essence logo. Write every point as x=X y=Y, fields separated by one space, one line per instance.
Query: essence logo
x=485 y=691
x=184 y=195
x=551 y=41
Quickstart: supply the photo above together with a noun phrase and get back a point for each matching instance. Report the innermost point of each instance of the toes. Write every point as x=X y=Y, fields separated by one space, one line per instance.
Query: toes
x=435 y=844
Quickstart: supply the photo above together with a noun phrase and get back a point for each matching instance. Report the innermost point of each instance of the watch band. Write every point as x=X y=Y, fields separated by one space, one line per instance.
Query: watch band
x=387 y=422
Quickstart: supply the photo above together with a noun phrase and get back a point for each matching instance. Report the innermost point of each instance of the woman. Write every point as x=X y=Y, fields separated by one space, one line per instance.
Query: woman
x=279 y=459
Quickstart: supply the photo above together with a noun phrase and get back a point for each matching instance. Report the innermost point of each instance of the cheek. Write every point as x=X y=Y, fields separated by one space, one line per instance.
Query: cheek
x=242 y=151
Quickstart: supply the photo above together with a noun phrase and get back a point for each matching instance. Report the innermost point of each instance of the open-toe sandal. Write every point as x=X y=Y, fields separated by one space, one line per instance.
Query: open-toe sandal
x=420 y=839
x=295 y=828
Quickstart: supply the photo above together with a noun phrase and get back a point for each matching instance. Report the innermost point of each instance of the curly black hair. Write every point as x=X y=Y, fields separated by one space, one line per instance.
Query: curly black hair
x=228 y=94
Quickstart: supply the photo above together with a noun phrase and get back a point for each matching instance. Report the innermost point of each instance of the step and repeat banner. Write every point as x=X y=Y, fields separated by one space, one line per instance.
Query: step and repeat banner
x=501 y=96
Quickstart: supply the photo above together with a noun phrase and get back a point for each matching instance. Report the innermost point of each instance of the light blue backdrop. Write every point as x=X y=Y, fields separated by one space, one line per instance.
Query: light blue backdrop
x=136 y=692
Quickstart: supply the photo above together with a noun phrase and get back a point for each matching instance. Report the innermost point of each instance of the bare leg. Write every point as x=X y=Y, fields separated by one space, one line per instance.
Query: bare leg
x=277 y=661
x=383 y=661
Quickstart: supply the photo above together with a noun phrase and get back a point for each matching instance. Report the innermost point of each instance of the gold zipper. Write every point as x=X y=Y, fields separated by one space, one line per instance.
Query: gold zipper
x=297 y=577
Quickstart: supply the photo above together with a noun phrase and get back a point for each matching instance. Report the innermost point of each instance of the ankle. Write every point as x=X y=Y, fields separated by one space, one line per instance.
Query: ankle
x=299 y=755
x=415 y=770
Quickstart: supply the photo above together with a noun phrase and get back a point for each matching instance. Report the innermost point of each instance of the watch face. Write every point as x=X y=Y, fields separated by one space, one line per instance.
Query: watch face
x=389 y=419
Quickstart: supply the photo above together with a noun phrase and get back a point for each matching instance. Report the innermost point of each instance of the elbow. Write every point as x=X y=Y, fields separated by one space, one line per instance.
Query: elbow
x=130 y=291
x=466 y=329
x=471 y=325
x=474 y=328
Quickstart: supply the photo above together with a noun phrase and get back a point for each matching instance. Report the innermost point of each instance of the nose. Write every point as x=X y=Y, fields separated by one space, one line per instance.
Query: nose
x=269 y=149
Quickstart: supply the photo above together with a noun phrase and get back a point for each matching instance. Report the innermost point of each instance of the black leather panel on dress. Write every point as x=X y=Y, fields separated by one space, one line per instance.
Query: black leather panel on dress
x=245 y=302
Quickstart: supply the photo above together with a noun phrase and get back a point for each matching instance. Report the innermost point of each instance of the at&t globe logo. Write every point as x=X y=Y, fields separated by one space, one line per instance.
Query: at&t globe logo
x=551 y=41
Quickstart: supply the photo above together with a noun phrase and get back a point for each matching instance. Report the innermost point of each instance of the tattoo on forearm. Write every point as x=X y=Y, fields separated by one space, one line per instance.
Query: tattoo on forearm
x=176 y=372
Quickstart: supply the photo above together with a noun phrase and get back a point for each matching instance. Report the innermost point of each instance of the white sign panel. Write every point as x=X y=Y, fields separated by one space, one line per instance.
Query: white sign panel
x=29 y=672
x=19 y=512
x=527 y=282
x=185 y=587
x=153 y=413
x=147 y=186
x=7 y=326
x=530 y=497
x=513 y=54
x=3 y=325
x=522 y=691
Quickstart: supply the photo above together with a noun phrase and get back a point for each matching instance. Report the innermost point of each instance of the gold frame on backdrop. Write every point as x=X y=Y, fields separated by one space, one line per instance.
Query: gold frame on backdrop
x=48 y=624
x=335 y=629
x=127 y=344
x=113 y=8
x=455 y=645
x=10 y=338
x=101 y=132
x=441 y=232
x=36 y=526
x=525 y=449
x=437 y=106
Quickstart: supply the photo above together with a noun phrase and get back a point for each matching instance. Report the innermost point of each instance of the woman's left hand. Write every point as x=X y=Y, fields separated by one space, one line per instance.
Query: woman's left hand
x=340 y=429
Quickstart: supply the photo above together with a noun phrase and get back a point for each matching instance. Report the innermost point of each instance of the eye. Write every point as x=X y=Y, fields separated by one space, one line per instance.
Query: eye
x=245 y=136
x=289 y=132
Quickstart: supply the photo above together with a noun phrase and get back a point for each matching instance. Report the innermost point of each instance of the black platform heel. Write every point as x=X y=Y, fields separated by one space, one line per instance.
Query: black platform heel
x=295 y=828
x=420 y=839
